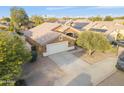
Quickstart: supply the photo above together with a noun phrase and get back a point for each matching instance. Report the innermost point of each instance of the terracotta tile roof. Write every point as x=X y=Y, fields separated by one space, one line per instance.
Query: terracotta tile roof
x=43 y=33
x=119 y=20
x=110 y=25
x=1 y=25
x=62 y=28
x=45 y=26
x=45 y=38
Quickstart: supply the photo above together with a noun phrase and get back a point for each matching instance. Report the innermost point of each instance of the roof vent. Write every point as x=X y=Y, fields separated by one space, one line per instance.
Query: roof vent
x=61 y=38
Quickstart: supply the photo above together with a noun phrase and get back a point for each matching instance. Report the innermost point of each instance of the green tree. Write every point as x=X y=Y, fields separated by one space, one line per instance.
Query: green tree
x=52 y=19
x=93 y=41
x=67 y=18
x=18 y=17
x=108 y=18
x=13 y=53
x=97 y=18
x=37 y=20
x=120 y=17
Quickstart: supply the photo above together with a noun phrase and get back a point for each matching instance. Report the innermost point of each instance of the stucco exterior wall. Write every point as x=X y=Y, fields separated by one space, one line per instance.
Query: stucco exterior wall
x=57 y=47
x=40 y=49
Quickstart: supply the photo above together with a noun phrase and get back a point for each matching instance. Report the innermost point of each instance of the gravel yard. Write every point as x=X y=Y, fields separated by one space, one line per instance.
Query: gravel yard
x=96 y=57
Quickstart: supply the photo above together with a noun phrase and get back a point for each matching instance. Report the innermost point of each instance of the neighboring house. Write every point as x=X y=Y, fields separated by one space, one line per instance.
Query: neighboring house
x=101 y=25
x=3 y=26
x=81 y=20
x=61 y=21
x=120 y=21
x=80 y=25
x=109 y=28
x=48 y=41
x=4 y=22
x=77 y=24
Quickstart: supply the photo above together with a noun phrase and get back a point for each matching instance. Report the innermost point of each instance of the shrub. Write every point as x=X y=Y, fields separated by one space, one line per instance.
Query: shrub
x=20 y=82
x=108 y=18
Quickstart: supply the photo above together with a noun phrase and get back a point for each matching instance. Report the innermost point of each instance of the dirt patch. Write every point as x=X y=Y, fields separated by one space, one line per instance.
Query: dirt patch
x=96 y=57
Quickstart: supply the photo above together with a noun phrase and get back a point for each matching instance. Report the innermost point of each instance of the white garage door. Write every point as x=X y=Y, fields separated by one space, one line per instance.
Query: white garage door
x=57 y=47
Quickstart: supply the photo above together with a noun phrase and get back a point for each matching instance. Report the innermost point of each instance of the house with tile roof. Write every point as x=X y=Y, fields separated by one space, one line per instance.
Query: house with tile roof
x=3 y=26
x=120 y=21
x=48 y=41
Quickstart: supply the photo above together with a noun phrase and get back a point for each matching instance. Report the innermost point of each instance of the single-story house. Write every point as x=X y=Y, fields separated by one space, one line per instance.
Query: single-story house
x=3 y=26
x=80 y=25
x=101 y=25
x=47 y=41
x=81 y=20
x=109 y=28
x=120 y=21
x=61 y=21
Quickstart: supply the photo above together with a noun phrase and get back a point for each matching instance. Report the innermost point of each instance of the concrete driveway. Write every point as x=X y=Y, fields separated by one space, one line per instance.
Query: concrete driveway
x=67 y=69
x=43 y=72
x=76 y=70
x=71 y=66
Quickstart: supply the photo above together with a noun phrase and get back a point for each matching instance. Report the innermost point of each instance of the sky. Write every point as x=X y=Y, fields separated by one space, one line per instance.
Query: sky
x=69 y=11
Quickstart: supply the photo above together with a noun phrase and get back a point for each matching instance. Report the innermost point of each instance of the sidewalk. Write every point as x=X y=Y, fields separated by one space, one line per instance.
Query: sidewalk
x=116 y=79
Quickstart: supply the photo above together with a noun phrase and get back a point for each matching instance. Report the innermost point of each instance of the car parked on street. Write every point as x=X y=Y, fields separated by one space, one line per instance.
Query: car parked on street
x=120 y=63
